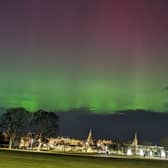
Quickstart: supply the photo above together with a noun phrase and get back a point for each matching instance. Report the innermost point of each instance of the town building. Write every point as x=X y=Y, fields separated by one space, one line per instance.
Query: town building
x=136 y=149
x=62 y=144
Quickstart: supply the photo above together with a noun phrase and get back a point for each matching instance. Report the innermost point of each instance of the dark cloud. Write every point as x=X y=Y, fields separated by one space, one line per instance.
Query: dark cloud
x=164 y=89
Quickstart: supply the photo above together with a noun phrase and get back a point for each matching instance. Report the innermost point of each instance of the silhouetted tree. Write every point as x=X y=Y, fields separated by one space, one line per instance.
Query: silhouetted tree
x=14 y=122
x=46 y=123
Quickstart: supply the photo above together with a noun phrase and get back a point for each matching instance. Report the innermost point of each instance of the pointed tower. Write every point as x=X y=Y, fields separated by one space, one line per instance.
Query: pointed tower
x=90 y=138
x=135 y=141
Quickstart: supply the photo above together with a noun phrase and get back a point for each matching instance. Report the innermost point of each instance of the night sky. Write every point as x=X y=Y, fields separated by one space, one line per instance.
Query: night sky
x=149 y=126
x=109 y=55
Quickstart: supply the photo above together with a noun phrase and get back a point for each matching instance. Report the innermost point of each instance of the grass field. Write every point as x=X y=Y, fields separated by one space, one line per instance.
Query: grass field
x=13 y=159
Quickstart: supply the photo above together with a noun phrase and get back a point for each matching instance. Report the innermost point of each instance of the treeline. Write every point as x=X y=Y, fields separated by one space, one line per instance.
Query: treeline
x=17 y=122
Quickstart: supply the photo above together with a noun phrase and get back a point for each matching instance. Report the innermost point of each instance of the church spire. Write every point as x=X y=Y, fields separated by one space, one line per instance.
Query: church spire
x=135 y=141
x=90 y=138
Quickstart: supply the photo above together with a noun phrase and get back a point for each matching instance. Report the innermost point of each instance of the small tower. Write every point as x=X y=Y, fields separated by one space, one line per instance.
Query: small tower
x=135 y=141
x=90 y=138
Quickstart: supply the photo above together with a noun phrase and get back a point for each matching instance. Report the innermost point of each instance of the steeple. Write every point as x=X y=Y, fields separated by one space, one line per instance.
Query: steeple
x=90 y=138
x=135 y=141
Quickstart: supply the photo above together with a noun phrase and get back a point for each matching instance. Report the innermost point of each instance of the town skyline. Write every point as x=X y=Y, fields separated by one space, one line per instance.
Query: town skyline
x=117 y=126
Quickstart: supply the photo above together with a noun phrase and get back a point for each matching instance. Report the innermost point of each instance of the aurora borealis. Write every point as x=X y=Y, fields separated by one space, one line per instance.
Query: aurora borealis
x=109 y=55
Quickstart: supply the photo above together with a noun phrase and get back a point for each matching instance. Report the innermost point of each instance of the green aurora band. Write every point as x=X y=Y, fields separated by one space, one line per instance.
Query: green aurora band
x=54 y=87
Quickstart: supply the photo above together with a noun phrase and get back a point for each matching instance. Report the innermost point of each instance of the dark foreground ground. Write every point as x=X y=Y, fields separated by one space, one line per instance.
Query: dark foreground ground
x=14 y=159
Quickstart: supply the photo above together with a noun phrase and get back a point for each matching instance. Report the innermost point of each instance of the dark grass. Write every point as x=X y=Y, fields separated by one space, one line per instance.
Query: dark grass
x=15 y=159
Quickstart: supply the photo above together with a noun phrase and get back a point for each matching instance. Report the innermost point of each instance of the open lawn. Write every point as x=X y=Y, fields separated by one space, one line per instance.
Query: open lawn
x=14 y=159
